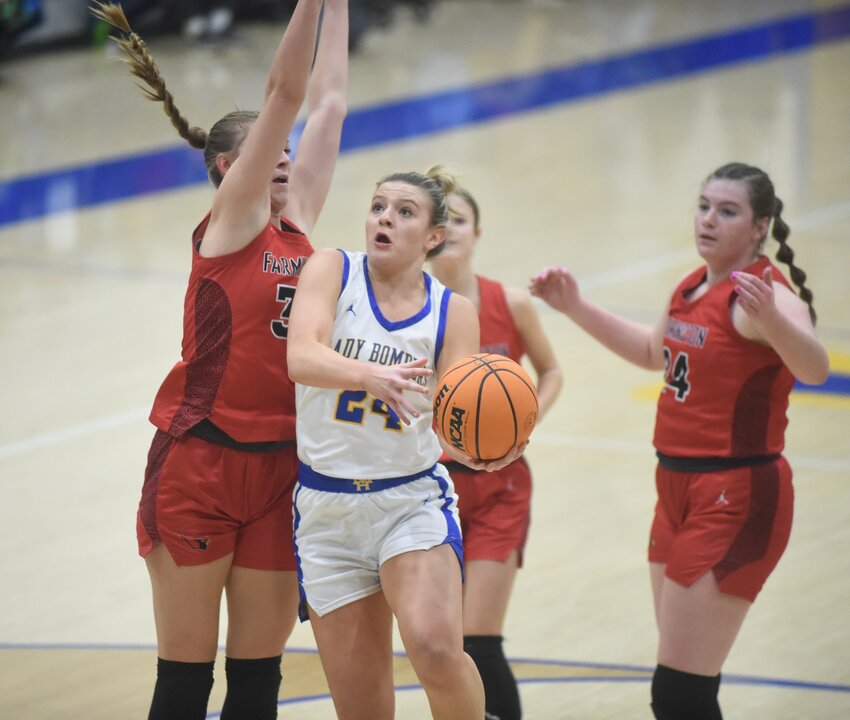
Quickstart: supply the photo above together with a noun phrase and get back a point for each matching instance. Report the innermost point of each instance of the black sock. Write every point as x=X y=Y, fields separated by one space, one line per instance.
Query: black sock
x=678 y=695
x=252 y=689
x=500 y=688
x=182 y=690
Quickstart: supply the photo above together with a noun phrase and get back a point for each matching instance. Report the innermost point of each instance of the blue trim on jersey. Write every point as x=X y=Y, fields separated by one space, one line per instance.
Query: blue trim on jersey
x=309 y=478
x=441 y=326
x=346 y=270
x=379 y=316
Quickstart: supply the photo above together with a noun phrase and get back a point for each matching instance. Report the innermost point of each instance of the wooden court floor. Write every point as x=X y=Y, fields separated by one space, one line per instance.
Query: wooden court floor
x=584 y=128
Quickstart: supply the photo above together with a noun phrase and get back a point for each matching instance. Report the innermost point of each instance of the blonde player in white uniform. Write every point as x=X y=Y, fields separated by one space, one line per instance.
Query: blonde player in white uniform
x=376 y=525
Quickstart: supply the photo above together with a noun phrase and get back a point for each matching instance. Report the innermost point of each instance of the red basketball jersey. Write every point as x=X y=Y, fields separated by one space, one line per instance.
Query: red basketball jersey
x=724 y=395
x=235 y=321
x=499 y=333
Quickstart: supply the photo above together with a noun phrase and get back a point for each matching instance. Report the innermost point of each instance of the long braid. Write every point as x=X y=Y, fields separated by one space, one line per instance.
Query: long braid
x=785 y=254
x=143 y=67
x=765 y=204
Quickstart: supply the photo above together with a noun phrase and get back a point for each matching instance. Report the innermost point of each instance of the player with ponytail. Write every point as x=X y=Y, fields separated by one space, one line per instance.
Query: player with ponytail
x=215 y=516
x=376 y=529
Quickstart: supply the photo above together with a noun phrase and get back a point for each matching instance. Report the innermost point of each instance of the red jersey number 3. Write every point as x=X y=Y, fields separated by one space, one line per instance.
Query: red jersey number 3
x=280 y=325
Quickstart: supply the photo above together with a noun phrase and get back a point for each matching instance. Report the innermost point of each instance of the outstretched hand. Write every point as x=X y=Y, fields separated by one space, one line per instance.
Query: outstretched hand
x=755 y=295
x=389 y=383
x=557 y=288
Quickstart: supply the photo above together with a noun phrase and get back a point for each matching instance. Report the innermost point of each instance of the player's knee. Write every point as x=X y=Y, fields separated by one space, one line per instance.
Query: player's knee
x=500 y=688
x=434 y=658
x=678 y=695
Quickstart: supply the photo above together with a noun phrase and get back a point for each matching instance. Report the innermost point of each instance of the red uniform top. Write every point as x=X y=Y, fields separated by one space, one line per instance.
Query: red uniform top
x=724 y=396
x=235 y=320
x=499 y=333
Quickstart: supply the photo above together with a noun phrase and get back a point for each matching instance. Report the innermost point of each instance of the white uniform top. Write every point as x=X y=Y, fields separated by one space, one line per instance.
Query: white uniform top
x=349 y=434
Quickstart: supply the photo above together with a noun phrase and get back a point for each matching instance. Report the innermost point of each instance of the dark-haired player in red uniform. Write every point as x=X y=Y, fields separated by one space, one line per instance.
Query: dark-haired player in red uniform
x=731 y=343
x=216 y=509
x=494 y=507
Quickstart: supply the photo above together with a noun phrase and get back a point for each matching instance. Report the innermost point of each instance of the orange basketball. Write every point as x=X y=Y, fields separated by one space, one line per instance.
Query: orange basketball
x=485 y=405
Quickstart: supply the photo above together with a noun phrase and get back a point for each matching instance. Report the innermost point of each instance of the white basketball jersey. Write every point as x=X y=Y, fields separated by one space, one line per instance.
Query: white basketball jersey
x=349 y=434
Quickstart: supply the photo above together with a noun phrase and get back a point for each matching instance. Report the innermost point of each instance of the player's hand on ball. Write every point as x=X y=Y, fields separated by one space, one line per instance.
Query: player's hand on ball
x=389 y=383
x=498 y=463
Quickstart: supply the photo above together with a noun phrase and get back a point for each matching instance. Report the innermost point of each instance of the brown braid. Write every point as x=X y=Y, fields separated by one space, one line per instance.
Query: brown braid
x=765 y=204
x=143 y=67
x=786 y=254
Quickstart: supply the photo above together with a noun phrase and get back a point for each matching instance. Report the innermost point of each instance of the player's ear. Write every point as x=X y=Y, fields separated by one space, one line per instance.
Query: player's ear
x=760 y=226
x=435 y=238
x=223 y=163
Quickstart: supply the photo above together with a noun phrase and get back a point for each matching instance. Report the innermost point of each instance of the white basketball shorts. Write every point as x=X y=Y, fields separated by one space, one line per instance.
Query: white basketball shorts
x=346 y=529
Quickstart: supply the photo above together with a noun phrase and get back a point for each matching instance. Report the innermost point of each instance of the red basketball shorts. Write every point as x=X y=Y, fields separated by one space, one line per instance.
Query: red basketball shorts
x=733 y=522
x=205 y=501
x=495 y=510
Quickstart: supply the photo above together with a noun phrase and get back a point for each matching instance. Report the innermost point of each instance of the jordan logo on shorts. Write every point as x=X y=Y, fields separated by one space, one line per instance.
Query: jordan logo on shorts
x=721 y=500
x=196 y=543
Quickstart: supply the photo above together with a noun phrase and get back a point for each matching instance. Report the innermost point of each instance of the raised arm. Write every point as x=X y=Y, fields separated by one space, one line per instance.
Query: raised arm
x=241 y=206
x=310 y=357
x=640 y=344
x=318 y=147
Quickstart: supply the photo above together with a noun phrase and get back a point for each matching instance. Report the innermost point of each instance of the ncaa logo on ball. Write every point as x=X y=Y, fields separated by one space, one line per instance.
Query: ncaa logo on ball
x=456 y=425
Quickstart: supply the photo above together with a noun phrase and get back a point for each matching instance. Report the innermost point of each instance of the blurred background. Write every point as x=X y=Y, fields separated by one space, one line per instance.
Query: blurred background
x=43 y=25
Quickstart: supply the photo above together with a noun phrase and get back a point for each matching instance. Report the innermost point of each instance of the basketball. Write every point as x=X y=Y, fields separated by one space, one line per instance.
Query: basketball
x=485 y=405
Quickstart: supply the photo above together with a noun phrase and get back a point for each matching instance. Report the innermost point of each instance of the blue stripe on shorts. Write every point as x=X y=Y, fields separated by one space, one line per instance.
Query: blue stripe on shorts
x=309 y=478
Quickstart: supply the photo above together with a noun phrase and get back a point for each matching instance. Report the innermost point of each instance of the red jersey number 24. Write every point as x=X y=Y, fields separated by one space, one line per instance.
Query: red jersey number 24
x=676 y=374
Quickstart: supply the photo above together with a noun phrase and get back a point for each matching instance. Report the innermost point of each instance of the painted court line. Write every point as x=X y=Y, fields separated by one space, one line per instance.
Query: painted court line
x=72 y=432
x=642 y=673
x=583 y=442
x=588 y=442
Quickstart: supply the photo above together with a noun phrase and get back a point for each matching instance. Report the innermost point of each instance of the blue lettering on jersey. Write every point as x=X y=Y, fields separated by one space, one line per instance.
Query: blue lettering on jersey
x=386 y=355
x=380 y=354
x=350 y=347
